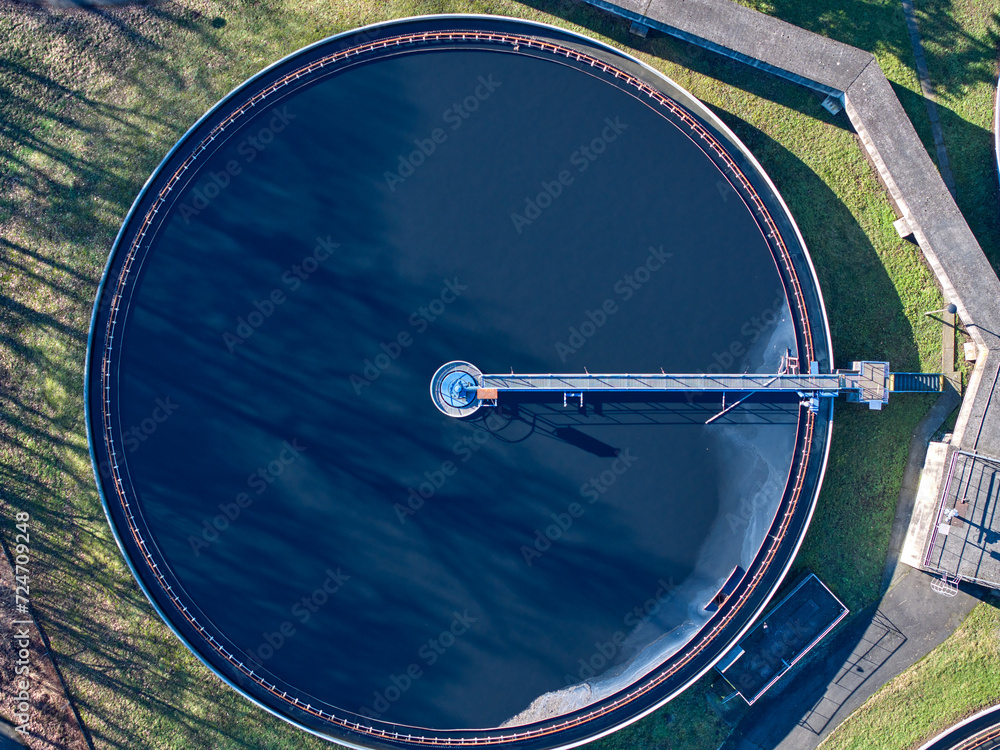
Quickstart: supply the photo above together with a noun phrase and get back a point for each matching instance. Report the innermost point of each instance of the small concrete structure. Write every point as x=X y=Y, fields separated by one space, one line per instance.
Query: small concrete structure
x=786 y=634
x=832 y=105
x=638 y=29
x=903 y=229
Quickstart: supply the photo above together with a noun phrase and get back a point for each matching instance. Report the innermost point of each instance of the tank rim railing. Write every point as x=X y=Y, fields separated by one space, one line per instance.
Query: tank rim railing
x=722 y=619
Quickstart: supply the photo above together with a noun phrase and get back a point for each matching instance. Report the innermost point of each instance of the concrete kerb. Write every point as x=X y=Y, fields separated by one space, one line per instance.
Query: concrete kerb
x=996 y=128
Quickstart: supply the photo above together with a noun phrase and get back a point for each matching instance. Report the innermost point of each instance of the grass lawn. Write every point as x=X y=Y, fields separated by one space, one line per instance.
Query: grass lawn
x=90 y=101
x=955 y=680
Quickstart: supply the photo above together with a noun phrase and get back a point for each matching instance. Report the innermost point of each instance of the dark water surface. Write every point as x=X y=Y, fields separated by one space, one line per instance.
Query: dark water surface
x=300 y=375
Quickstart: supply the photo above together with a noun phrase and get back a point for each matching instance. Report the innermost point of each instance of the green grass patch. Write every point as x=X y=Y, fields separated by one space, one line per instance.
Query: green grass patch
x=958 y=678
x=90 y=102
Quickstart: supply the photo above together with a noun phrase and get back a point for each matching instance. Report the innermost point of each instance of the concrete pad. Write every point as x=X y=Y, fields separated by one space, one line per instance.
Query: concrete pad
x=925 y=506
x=908 y=492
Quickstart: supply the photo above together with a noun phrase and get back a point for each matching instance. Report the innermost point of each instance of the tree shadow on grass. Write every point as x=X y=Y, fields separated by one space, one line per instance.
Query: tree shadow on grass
x=866 y=312
x=879 y=27
x=126 y=662
x=971 y=152
x=950 y=47
x=47 y=173
x=867 y=320
x=885 y=29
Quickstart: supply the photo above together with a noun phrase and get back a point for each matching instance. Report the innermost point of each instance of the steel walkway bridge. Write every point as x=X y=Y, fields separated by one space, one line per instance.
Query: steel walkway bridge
x=459 y=388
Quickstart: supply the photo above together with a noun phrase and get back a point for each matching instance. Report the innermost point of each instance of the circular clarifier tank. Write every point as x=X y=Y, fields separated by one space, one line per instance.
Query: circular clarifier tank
x=315 y=525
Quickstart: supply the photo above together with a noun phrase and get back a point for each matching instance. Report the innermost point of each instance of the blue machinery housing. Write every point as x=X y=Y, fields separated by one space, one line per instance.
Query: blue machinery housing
x=744 y=599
